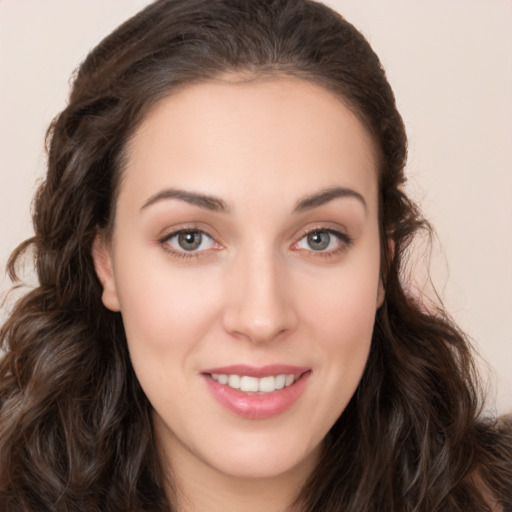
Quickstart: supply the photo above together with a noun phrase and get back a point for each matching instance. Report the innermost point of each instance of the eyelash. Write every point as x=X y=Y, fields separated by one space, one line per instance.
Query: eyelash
x=345 y=242
x=183 y=254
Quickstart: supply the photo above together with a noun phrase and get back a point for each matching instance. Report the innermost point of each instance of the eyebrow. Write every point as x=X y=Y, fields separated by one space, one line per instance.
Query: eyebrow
x=216 y=204
x=195 y=198
x=327 y=195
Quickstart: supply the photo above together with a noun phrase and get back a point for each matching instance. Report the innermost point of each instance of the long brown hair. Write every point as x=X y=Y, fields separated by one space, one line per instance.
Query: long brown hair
x=75 y=426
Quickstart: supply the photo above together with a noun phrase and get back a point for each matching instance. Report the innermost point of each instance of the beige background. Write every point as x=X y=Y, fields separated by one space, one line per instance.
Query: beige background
x=450 y=63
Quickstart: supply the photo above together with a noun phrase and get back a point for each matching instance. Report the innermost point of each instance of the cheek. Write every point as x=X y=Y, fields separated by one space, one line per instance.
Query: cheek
x=339 y=314
x=344 y=302
x=166 y=319
x=165 y=312
x=343 y=325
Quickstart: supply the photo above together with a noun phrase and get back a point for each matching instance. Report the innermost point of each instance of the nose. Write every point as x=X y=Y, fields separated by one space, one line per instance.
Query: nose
x=259 y=305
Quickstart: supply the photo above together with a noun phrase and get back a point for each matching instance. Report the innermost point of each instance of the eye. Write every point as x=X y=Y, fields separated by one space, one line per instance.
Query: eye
x=323 y=240
x=318 y=240
x=187 y=240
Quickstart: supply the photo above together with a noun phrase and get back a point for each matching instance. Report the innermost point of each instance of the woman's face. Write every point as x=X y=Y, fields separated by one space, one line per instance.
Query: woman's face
x=245 y=264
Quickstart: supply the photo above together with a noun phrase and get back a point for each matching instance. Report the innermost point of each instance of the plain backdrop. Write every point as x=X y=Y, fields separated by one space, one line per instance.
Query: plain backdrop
x=450 y=64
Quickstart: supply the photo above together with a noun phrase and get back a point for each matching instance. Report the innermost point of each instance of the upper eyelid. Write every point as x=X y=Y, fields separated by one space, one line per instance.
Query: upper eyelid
x=175 y=252
x=334 y=228
x=343 y=237
x=168 y=233
x=345 y=241
x=326 y=230
x=177 y=232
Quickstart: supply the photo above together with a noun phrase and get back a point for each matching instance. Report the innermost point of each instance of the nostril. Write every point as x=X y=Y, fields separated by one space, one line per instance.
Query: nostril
x=257 y=330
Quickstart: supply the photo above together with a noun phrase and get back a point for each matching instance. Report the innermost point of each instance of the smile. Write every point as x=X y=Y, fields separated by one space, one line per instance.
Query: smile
x=262 y=385
x=257 y=393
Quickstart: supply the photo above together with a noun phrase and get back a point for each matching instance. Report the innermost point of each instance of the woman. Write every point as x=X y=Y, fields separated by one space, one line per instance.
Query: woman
x=220 y=321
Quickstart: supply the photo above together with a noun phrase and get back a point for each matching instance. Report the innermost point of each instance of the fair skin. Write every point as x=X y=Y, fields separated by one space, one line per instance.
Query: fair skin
x=274 y=273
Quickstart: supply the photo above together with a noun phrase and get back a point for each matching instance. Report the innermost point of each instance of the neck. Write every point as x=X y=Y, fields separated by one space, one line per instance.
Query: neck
x=234 y=496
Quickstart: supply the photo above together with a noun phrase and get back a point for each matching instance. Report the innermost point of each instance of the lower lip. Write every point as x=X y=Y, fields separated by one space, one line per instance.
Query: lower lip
x=257 y=406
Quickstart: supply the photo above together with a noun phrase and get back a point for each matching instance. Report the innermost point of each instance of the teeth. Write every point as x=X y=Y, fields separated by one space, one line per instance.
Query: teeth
x=280 y=381
x=253 y=384
x=267 y=384
x=290 y=379
x=234 y=381
x=249 y=383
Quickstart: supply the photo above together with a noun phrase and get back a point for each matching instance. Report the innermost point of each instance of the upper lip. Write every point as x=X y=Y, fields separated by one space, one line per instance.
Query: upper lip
x=257 y=371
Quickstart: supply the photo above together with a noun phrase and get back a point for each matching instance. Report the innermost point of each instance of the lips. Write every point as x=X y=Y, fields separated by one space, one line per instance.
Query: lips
x=257 y=393
x=253 y=384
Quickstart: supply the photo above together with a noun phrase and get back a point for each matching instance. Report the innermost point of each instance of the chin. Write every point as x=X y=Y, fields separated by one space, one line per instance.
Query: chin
x=267 y=460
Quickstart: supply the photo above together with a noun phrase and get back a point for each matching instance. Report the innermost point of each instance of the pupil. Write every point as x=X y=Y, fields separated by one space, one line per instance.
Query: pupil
x=189 y=241
x=318 y=240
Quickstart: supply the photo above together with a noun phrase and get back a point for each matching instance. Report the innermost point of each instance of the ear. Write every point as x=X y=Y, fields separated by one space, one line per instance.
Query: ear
x=101 y=254
x=381 y=292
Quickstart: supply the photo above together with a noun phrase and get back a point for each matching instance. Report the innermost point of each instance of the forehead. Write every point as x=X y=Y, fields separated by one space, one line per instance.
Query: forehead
x=230 y=136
